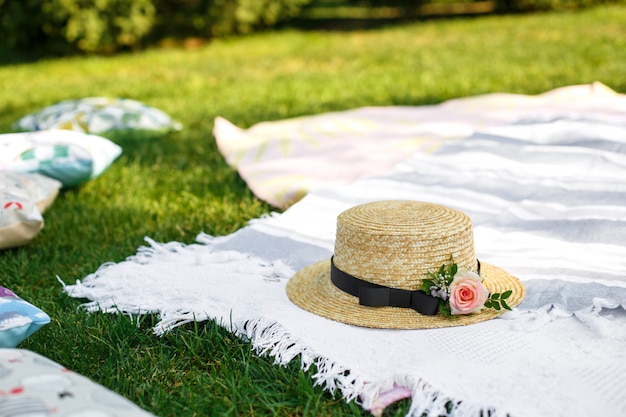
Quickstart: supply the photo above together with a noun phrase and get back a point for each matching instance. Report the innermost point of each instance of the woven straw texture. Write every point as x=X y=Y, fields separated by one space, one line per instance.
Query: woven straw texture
x=395 y=244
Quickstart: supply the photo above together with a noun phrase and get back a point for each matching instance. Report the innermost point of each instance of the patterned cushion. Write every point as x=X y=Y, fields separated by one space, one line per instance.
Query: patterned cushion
x=23 y=199
x=18 y=319
x=98 y=115
x=69 y=157
x=33 y=385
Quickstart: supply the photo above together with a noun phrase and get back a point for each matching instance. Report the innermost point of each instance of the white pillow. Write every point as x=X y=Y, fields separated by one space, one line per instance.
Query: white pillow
x=70 y=157
x=23 y=199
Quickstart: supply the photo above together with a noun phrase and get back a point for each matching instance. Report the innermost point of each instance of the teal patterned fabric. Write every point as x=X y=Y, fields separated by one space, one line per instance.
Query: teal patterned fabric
x=18 y=319
x=70 y=164
x=98 y=115
x=70 y=157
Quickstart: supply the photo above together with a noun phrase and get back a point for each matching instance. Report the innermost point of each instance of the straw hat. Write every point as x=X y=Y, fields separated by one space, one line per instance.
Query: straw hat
x=394 y=245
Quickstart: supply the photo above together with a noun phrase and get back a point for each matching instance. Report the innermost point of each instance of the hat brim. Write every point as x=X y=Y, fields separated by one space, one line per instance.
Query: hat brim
x=312 y=290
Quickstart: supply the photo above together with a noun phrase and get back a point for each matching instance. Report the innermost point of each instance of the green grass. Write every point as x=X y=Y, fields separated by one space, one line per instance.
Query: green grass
x=174 y=186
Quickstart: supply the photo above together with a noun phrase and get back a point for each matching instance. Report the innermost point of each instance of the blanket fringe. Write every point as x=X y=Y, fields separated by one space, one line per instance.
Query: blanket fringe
x=268 y=337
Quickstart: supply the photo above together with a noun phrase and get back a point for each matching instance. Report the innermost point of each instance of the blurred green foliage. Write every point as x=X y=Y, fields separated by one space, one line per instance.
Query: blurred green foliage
x=218 y=18
x=61 y=27
x=64 y=26
x=106 y=26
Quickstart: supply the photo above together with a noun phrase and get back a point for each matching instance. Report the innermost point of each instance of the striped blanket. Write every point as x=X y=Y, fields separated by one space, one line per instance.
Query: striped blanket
x=547 y=197
x=281 y=161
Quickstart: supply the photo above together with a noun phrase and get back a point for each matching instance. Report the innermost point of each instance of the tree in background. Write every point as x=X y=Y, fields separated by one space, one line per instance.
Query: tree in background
x=105 y=26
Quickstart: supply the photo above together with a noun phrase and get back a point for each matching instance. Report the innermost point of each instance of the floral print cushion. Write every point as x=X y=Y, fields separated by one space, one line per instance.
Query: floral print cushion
x=98 y=115
x=35 y=386
x=23 y=200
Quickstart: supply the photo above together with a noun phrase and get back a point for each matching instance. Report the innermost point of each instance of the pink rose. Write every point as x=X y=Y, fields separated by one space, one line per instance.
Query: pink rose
x=467 y=293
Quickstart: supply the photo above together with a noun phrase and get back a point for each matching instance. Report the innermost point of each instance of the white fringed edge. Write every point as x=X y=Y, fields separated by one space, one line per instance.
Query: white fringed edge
x=268 y=337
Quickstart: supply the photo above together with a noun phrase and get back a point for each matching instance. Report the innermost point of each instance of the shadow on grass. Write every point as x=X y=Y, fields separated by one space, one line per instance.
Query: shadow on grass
x=16 y=57
x=346 y=18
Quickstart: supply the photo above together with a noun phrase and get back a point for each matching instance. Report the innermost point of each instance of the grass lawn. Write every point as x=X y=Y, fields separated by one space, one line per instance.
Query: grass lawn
x=174 y=186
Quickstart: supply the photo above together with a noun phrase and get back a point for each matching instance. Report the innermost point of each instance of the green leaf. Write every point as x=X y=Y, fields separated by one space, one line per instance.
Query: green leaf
x=428 y=282
x=506 y=294
x=505 y=305
x=487 y=304
x=495 y=296
x=444 y=308
x=496 y=306
x=453 y=269
x=425 y=285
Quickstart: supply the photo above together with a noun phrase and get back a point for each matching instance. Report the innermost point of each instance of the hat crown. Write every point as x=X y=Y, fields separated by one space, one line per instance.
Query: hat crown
x=396 y=243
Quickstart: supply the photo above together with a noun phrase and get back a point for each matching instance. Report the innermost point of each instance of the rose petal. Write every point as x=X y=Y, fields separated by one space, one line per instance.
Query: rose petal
x=386 y=398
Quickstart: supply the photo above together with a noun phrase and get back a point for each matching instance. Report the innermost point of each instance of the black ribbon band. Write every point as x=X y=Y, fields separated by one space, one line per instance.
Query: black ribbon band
x=374 y=295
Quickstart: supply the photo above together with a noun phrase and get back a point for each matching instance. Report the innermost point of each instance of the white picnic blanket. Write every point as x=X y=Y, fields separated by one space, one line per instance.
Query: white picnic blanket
x=283 y=160
x=547 y=197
